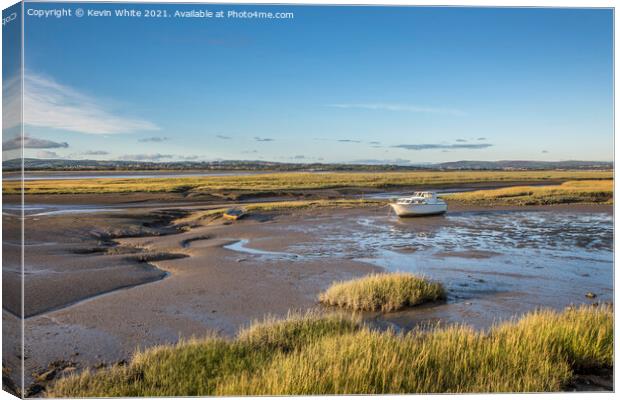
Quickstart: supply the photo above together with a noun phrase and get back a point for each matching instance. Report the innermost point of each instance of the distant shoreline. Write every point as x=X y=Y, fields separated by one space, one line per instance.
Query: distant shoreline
x=56 y=165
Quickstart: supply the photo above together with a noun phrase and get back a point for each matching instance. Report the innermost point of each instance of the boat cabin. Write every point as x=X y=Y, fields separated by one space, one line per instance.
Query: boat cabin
x=419 y=198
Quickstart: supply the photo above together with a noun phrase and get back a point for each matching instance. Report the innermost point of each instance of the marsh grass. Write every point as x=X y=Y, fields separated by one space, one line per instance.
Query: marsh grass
x=314 y=354
x=537 y=353
x=296 y=330
x=587 y=191
x=385 y=292
x=292 y=181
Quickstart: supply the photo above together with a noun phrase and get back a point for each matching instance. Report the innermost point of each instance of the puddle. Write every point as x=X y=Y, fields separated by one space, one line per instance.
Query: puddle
x=241 y=247
x=30 y=243
x=41 y=210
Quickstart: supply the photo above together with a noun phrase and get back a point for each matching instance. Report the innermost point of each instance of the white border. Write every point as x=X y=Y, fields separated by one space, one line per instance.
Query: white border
x=466 y=3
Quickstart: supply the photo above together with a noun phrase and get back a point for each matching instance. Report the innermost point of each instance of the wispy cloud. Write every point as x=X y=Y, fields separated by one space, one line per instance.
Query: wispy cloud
x=94 y=153
x=145 y=157
x=349 y=141
x=260 y=139
x=481 y=138
x=437 y=146
x=32 y=143
x=545 y=151
x=399 y=107
x=299 y=157
x=461 y=140
x=53 y=105
x=155 y=139
x=46 y=154
x=223 y=137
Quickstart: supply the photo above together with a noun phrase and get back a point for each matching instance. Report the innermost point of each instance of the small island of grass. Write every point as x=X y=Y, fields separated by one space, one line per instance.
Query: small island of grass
x=385 y=292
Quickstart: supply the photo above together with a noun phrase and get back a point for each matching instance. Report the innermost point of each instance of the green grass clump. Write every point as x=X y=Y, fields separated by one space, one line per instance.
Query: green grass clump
x=587 y=191
x=385 y=292
x=316 y=355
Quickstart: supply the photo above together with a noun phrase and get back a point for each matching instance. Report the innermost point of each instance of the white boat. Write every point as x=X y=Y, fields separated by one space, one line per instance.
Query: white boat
x=421 y=203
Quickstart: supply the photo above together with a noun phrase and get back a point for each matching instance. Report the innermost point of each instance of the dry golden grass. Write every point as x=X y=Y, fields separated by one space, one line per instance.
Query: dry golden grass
x=587 y=191
x=296 y=330
x=536 y=354
x=332 y=355
x=292 y=181
x=385 y=292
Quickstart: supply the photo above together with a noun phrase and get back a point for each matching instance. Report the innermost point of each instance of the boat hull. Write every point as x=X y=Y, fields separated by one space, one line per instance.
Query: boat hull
x=416 y=210
x=233 y=214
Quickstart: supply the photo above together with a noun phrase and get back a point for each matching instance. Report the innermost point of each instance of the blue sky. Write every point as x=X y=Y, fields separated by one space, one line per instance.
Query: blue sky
x=334 y=84
x=11 y=73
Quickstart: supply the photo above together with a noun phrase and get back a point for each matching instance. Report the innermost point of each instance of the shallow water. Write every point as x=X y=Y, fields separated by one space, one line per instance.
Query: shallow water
x=494 y=264
x=50 y=210
x=241 y=246
x=42 y=210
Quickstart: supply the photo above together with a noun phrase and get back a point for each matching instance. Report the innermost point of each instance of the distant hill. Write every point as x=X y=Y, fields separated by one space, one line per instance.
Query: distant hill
x=523 y=165
x=35 y=164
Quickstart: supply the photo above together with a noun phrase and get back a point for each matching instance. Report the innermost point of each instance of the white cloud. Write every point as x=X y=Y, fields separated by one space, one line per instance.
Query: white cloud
x=400 y=107
x=188 y=158
x=50 y=104
x=31 y=143
x=46 y=154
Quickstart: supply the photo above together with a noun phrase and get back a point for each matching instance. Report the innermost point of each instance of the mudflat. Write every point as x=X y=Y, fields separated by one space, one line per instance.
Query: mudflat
x=100 y=284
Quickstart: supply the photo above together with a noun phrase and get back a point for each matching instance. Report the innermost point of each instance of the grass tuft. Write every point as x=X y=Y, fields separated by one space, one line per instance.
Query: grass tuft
x=313 y=354
x=385 y=292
